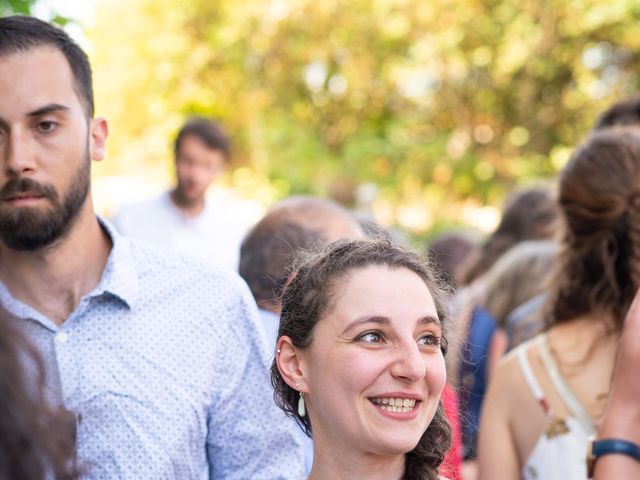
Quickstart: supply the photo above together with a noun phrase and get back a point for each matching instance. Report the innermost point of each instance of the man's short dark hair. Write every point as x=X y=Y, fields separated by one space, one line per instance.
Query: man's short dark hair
x=19 y=34
x=207 y=131
x=623 y=113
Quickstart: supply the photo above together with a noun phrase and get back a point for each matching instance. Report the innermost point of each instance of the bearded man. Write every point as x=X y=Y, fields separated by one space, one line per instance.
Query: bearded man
x=154 y=353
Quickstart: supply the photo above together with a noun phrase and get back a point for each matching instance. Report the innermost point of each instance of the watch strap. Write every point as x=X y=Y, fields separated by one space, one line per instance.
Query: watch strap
x=608 y=446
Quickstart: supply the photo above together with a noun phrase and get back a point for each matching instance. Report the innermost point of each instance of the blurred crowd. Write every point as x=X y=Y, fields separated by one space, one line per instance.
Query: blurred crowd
x=131 y=347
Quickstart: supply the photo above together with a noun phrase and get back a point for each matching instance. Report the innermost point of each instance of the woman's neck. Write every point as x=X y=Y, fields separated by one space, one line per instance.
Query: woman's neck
x=338 y=463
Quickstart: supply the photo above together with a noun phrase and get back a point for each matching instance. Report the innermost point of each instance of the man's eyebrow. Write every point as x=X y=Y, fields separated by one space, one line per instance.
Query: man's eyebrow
x=52 y=107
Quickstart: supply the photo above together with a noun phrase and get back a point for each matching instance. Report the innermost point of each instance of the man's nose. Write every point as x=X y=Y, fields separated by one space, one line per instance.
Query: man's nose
x=18 y=154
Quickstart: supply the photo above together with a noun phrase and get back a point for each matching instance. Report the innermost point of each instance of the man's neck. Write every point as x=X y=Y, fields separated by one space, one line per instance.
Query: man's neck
x=188 y=207
x=53 y=279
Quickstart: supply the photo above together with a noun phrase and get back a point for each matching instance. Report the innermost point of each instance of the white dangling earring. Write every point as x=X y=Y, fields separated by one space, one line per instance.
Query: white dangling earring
x=302 y=410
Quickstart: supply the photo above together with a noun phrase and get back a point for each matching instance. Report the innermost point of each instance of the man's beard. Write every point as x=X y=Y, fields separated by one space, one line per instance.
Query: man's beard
x=30 y=228
x=183 y=200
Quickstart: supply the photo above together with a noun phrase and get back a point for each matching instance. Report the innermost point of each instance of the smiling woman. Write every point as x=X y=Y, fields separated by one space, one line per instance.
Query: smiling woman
x=360 y=361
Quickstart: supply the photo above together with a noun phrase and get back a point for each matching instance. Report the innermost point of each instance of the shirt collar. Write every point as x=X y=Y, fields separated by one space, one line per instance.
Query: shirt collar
x=120 y=277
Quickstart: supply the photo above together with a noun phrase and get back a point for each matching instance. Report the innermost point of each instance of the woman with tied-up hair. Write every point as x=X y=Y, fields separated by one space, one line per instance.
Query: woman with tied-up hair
x=547 y=396
x=360 y=361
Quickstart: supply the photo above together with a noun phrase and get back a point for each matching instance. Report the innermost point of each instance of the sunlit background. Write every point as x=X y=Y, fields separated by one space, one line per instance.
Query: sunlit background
x=422 y=113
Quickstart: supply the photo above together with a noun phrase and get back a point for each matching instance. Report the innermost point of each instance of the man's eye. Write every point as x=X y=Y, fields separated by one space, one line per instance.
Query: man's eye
x=47 y=126
x=371 y=337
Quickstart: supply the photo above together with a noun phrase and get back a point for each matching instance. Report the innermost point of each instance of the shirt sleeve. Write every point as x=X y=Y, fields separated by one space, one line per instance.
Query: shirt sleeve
x=249 y=437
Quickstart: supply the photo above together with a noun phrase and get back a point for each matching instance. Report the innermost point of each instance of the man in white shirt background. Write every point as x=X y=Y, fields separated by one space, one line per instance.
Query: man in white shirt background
x=182 y=218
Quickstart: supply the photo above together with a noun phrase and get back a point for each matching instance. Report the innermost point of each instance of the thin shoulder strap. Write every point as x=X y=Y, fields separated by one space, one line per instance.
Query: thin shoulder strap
x=568 y=397
x=531 y=380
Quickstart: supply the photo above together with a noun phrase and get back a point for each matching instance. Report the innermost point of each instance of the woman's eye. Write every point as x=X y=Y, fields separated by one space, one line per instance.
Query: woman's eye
x=46 y=126
x=429 y=340
x=371 y=337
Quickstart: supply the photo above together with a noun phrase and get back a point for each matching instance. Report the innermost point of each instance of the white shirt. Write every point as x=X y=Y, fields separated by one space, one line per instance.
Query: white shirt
x=213 y=235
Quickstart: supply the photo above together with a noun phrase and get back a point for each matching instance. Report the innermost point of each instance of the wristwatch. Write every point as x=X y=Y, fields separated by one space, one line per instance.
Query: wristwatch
x=605 y=446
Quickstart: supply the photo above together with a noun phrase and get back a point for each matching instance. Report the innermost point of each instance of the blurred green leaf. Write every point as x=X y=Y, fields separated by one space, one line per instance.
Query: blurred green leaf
x=25 y=7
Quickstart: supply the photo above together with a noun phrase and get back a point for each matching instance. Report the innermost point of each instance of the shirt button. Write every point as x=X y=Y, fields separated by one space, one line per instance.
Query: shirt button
x=62 y=337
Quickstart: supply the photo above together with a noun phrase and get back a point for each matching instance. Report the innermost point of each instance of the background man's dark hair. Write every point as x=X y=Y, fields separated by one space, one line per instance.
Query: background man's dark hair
x=207 y=131
x=623 y=113
x=292 y=225
x=266 y=254
x=20 y=33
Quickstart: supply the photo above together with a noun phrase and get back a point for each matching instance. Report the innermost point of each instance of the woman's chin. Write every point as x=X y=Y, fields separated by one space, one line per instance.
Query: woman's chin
x=394 y=446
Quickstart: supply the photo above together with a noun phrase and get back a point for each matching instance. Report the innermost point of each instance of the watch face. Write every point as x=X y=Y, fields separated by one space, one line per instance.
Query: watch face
x=590 y=457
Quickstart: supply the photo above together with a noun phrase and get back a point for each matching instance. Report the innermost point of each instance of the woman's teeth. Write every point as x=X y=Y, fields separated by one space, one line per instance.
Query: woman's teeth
x=401 y=405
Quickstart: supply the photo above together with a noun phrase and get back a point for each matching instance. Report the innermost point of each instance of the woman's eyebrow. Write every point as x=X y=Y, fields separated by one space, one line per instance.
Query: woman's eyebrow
x=380 y=320
x=429 y=320
x=368 y=319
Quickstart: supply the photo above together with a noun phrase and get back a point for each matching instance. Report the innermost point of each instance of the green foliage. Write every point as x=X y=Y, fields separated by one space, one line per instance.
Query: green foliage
x=8 y=7
x=437 y=102
x=25 y=7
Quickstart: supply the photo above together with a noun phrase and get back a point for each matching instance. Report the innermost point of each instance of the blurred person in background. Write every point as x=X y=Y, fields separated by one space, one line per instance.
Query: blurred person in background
x=154 y=352
x=183 y=219
x=625 y=113
x=478 y=343
x=522 y=323
x=449 y=251
x=547 y=396
x=374 y=230
x=520 y=278
x=528 y=214
x=290 y=226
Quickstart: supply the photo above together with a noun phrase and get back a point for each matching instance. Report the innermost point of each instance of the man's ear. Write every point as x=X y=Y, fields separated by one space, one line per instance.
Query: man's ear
x=99 y=130
x=290 y=364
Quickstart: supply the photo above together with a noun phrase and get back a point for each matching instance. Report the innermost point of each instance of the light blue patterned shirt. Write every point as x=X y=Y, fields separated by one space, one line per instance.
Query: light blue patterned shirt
x=270 y=323
x=163 y=366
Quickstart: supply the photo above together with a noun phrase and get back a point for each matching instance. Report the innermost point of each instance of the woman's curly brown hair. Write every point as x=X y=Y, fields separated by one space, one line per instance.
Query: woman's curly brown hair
x=598 y=267
x=307 y=298
x=36 y=442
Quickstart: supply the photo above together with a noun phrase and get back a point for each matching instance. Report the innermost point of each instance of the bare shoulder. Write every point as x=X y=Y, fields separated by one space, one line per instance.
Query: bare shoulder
x=508 y=387
x=508 y=368
x=503 y=440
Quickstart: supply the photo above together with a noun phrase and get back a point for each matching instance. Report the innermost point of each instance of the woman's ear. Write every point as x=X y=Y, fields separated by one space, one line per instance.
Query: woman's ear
x=290 y=363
